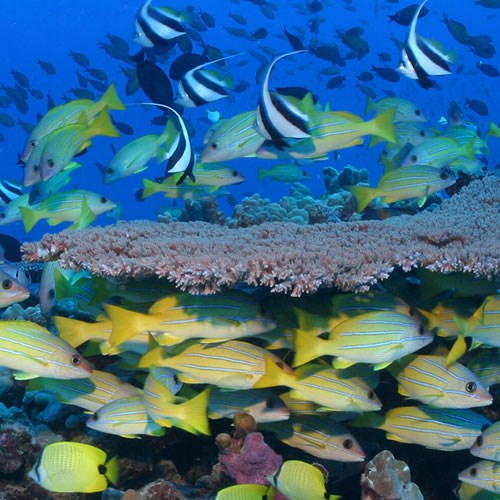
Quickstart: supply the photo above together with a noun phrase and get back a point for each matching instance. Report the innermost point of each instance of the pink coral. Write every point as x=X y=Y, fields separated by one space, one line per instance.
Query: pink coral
x=461 y=235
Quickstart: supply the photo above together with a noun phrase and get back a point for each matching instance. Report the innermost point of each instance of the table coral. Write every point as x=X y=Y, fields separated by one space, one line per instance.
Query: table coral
x=461 y=235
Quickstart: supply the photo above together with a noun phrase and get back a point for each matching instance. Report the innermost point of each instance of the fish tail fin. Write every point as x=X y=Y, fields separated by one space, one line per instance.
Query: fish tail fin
x=307 y=347
x=102 y=125
x=111 y=100
x=493 y=131
x=458 y=349
x=261 y=174
x=74 y=332
x=125 y=323
x=469 y=149
x=149 y=188
x=168 y=135
x=113 y=471
x=194 y=414
x=370 y=105
x=30 y=217
x=383 y=126
x=370 y=419
x=274 y=375
x=363 y=195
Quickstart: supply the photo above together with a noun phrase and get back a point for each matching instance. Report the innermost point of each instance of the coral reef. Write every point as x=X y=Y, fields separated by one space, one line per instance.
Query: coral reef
x=461 y=235
x=386 y=478
x=245 y=457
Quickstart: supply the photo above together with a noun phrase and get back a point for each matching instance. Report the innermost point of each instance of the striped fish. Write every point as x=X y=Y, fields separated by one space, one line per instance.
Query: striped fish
x=155 y=26
x=487 y=445
x=199 y=86
x=29 y=348
x=405 y=183
x=11 y=212
x=125 y=417
x=445 y=429
x=332 y=389
x=484 y=474
x=9 y=190
x=263 y=404
x=89 y=393
x=232 y=138
x=429 y=380
x=277 y=118
x=160 y=403
x=182 y=316
x=422 y=57
x=319 y=436
x=11 y=289
x=378 y=337
x=233 y=364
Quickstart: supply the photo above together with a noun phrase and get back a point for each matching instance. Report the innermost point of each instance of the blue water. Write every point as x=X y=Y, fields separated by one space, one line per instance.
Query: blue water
x=33 y=30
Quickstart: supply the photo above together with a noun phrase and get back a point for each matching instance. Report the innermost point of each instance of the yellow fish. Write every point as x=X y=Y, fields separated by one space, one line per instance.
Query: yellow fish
x=67 y=467
x=32 y=350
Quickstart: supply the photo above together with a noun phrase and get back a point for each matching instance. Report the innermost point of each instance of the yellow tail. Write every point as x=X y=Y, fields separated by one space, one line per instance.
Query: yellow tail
x=307 y=347
x=363 y=195
x=382 y=126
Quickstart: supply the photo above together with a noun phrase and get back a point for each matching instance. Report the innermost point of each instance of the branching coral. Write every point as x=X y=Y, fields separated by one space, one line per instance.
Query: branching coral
x=463 y=234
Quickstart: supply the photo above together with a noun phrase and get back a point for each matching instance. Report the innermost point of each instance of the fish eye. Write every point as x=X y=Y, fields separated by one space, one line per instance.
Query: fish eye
x=479 y=441
x=418 y=112
x=422 y=133
x=473 y=472
x=2 y=216
x=102 y=469
x=444 y=175
x=411 y=311
x=371 y=395
x=471 y=386
x=52 y=294
x=76 y=360
x=94 y=417
x=421 y=330
x=414 y=158
x=214 y=145
x=235 y=173
x=269 y=403
x=36 y=168
x=347 y=444
x=104 y=199
x=110 y=171
x=50 y=163
x=7 y=284
x=32 y=144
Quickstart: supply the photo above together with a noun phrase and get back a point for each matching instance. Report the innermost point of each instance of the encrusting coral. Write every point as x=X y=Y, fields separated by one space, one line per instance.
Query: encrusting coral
x=461 y=235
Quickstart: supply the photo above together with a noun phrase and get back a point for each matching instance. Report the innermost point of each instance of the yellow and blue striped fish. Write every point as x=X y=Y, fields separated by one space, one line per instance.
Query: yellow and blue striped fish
x=125 y=417
x=445 y=429
x=89 y=393
x=484 y=474
x=232 y=365
x=319 y=436
x=162 y=406
x=431 y=381
x=487 y=445
x=378 y=337
x=31 y=349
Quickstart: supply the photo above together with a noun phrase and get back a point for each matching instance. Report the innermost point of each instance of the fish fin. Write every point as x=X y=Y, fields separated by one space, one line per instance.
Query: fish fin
x=126 y=324
x=112 y=471
x=383 y=125
x=24 y=375
x=370 y=105
x=421 y=201
x=340 y=363
x=86 y=215
x=394 y=437
x=469 y=149
x=381 y=366
x=371 y=419
x=458 y=349
x=273 y=375
x=102 y=125
x=262 y=173
x=71 y=330
x=149 y=188
x=194 y=414
x=307 y=347
x=30 y=217
x=111 y=100
x=403 y=391
x=364 y=196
